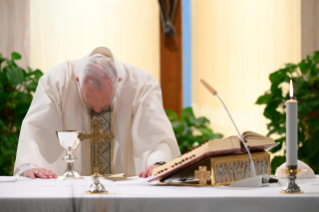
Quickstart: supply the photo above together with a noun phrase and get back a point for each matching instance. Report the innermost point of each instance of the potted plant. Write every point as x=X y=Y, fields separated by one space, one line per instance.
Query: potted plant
x=17 y=87
x=305 y=77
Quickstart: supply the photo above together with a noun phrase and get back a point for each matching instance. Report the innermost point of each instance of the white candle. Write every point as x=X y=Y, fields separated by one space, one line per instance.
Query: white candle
x=291 y=129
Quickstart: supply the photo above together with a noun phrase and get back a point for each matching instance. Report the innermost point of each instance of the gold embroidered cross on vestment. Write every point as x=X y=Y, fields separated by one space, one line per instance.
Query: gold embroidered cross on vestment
x=101 y=137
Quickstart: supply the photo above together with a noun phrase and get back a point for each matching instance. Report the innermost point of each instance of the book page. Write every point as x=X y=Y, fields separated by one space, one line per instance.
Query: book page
x=253 y=138
x=225 y=143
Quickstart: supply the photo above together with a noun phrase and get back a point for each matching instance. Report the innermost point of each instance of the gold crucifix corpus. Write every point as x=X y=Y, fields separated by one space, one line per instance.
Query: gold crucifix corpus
x=202 y=174
x=96 y=136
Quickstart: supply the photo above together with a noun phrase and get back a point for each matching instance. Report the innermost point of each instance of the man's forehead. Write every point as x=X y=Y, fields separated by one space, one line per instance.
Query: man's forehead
x=106 y=91
x=107 y=85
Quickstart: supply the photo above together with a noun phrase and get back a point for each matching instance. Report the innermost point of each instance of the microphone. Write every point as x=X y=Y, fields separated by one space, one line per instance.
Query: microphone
x=257 y=181
x=214 y=92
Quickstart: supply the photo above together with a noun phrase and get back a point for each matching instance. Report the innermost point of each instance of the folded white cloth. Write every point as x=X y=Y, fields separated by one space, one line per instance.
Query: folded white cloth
x=301 y=165
x=8 y=179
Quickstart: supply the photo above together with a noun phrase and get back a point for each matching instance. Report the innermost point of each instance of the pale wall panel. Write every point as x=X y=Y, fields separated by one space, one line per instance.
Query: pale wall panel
x=15 y=29
x=236 y=45
x=310 y=26
x=62 y=30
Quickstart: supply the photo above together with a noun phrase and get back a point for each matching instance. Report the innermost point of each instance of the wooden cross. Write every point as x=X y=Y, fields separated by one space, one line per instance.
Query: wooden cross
x=202 y=174
x=96 y=136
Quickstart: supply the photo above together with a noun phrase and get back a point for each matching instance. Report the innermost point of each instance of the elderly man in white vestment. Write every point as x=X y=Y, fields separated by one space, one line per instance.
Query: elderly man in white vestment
x=126 y=98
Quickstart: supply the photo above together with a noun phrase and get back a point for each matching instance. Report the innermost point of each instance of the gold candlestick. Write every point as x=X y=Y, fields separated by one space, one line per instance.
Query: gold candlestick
x=292 y=172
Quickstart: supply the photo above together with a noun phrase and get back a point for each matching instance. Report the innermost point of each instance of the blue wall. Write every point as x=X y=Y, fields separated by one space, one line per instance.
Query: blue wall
x=187 y=53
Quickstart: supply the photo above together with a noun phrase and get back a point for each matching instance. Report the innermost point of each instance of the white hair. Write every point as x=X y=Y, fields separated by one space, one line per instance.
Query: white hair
x=95 y=71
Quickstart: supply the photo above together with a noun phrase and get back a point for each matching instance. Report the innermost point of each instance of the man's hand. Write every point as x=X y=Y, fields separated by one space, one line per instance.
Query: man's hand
x=148 y=171
x=40 y=173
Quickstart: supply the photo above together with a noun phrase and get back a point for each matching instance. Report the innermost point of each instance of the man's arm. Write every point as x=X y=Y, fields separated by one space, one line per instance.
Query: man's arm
x=152 y=133
x=37 y=141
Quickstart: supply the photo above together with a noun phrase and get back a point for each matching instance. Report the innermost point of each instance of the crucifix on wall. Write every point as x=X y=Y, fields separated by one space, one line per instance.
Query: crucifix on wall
x=168 y=16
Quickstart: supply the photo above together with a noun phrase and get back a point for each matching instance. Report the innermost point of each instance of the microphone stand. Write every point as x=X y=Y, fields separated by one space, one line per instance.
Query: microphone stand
x=253 y=180
x=252 y=165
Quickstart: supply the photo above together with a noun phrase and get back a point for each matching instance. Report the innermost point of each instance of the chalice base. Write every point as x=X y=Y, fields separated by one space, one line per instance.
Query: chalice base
x=70 y=173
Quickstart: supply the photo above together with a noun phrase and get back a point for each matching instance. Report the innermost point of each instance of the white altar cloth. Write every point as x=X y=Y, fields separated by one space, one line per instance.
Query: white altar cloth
x=138 y=195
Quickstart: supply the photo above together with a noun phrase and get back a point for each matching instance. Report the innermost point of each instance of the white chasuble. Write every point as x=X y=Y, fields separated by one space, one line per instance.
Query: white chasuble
x=143 y=133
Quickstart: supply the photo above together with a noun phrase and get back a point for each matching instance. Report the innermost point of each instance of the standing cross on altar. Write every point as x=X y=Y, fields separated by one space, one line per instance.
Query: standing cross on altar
x=96 y=135
x=202 y=175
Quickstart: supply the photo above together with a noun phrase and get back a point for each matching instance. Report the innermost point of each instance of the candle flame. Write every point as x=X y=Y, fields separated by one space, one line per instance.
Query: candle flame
x=291 y=90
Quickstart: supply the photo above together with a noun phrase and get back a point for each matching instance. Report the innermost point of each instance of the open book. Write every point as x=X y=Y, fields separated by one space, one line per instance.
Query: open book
x=220 y=147
x=253 y=140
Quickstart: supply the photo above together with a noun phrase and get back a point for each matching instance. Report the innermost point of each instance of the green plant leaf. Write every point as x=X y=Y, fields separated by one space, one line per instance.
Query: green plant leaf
x=31 y=87
x=300 y=86
x=304 y=108
x=310 y=147
x=290 y=67
x=314 y=124
x=178 y=126
x=30 y=70
x=22 y=109
x=11 y=63
x=37 y=74
x=172 y=116
x=3 y=96
x=2 y=60
x=188 y=116
x=3 y=128
x=278 y=130
x=264 y=99
x=313 y=70
x=275 y=90
x=277 y=148
x=201 y=121
x=216 y=136
x=303 y=66
x=205 y=131
x=301 y=136
x=15 y=75
x=22 y=97
x=278 y=77
x=14 y=103
x=276 y=162
x=3 y=78
x=270 y=111
x=15 y=56
x=309 y=58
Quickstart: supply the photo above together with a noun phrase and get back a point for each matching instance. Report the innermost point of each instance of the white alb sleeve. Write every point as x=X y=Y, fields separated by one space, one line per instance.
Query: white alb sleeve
x=25 y=167
x=161 y=153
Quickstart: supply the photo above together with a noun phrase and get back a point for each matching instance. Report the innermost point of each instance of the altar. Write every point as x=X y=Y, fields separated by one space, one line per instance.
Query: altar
x=137 y=194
